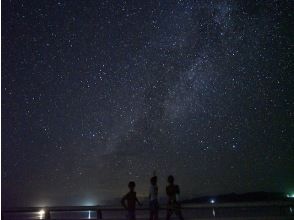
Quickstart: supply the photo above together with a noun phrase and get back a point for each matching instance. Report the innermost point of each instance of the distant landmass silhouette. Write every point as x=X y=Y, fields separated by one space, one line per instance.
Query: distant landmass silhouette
x=245 y=197
x=259 y=196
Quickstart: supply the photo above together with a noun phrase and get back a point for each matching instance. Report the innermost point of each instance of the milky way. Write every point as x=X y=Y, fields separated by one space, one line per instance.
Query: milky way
x=97 y=93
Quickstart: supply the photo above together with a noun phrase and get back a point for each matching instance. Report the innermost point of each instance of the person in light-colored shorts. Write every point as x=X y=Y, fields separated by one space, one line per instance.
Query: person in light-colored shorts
x=153 y=200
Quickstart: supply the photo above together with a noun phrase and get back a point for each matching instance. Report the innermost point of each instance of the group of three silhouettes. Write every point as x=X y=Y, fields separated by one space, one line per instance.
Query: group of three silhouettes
x=173 y=205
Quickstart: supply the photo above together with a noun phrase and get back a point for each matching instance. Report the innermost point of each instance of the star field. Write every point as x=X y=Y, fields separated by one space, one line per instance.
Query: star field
x=98 y=93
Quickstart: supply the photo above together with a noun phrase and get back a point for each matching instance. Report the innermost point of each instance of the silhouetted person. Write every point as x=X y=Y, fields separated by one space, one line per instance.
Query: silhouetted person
x=153 y=199
x=131 y=198
x=173 y=204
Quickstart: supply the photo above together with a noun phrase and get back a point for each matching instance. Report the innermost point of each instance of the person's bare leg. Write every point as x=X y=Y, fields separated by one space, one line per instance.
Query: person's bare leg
x=168 y=214
x=179 y=214
x=156 y=215
x=151 y=215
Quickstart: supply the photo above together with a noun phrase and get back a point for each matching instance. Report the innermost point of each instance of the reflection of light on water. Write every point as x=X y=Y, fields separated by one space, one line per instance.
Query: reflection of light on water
x=213 y=212
x=89 y=215
x=291 y=210
x=41 y=213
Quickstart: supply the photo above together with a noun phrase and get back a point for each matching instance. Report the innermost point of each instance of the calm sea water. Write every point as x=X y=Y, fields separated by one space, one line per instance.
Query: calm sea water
x=246 y=213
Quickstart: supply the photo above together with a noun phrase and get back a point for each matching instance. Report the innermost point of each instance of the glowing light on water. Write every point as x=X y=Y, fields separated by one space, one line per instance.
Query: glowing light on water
x=41 y=213
x=290 y=195
x=89 y=215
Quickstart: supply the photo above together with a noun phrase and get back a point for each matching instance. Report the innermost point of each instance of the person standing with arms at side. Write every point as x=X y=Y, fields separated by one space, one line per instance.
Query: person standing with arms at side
x=153 y=198
x=131 y=199
x=173 y=203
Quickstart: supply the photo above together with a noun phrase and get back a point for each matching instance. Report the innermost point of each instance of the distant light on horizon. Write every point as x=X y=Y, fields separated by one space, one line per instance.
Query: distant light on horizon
x=290 y=195
x=90 y=201
x=212 y=201
x=41 y=214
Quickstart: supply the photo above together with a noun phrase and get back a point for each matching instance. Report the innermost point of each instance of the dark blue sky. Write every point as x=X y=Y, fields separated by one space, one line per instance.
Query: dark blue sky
x=97 y=93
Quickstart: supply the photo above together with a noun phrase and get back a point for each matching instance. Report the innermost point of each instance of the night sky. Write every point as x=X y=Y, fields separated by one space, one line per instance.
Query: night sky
x=98 y=93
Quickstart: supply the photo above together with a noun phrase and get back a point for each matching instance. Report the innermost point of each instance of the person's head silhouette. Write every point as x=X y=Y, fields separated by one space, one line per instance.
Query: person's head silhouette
x=153 y=180
x=131 y=185
x=170 y=179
